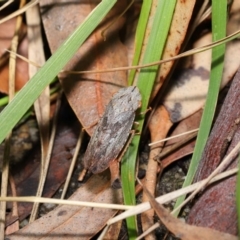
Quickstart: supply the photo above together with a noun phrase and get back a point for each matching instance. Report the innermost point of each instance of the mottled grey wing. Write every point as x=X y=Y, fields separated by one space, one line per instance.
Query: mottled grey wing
x=110 y=138
x=112 y=130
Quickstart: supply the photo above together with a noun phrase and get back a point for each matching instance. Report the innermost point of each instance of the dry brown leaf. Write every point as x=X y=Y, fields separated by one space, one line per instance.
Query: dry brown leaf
x=188 y=92
x=185 y=125
x=42 y=104
x=177 y=33
x=75 y=222
x=131 y=26
x=26 y=169
x=182 y=230
x=6 y=34
x=181 y=18
x=113 y=231
x=157 y=132
x=88 y=94
x=36 y=54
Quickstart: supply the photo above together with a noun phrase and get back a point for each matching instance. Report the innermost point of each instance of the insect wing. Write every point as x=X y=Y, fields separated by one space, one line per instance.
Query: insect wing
x=112 y=130
x=114 y=138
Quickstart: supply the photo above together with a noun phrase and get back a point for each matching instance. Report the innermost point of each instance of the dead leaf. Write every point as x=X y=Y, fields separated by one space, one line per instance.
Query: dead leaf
x=26 y=173
x=192 y=122
x=131 y=26
x=188 y=93
x=177 y=33
x=75 y=222
x=36 y=54
x=182 y=230
x=155 y=123
x=88 y=94
x=6 y=34
x=113 y=231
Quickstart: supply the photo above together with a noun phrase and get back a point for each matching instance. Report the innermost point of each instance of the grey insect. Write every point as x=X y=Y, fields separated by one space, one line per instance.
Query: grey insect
x=113 y=130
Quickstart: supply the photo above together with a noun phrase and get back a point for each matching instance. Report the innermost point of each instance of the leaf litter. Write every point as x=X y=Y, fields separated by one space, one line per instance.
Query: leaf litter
x=99 y=111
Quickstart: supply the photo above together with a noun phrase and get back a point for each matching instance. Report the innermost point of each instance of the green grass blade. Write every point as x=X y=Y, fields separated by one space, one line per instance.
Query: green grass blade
x=219 y=21
x=147 y=76
x=139 y=37
x=23 y=100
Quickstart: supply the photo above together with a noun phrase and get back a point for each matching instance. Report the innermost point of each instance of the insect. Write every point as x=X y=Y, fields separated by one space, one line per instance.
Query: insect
x=113 y=130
